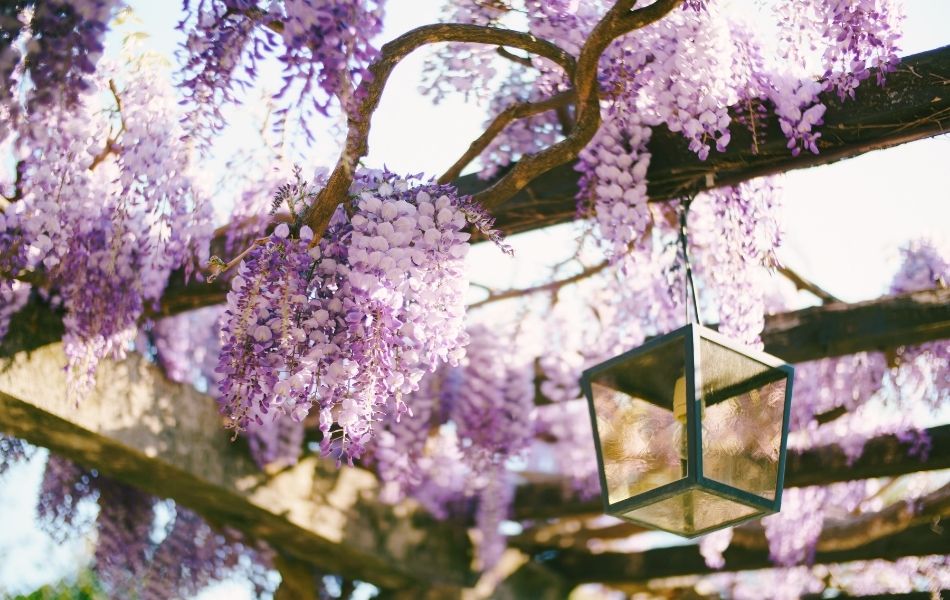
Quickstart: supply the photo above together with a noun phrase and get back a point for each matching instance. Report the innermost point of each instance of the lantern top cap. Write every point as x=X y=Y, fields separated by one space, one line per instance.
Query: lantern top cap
x=694 y=331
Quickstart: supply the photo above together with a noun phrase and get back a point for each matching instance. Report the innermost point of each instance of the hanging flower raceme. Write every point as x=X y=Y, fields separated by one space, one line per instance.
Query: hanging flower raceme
x=492 y=414
x=275 y=443
x=105 y=216
x=923 y=375
x=325 y=52
x=263 y=340
x=194 y=555
x=123 y=546
x=65 y=484
x=350 y=325
x=736 y=234
x=468 y=69
x=613 y=182
x=128 y=560
x=400 y=451
x=495 y=400
x=63 y=41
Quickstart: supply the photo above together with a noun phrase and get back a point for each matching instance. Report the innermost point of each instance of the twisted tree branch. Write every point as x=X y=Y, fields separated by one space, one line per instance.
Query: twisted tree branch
x=371 y=89
x=519 y=110
x=618 y=21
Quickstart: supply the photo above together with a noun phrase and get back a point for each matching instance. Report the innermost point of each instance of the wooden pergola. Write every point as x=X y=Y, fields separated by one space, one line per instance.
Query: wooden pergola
x=167 y=439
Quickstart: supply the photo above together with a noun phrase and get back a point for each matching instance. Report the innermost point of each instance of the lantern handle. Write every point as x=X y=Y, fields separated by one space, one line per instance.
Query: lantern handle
x=689 y=291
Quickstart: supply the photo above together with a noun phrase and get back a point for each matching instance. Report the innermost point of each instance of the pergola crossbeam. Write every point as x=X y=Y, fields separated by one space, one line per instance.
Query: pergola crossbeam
x=168 y=440
x=883 y=456
x=621 y=568
x=915 y=104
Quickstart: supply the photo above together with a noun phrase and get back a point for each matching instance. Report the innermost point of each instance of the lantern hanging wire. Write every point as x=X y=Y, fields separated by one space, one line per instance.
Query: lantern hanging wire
x=689 y=286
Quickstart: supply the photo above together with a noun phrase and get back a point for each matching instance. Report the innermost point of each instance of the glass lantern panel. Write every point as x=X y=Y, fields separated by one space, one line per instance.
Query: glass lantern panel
x=743 y=408
x=691 y=512
x=642 y=444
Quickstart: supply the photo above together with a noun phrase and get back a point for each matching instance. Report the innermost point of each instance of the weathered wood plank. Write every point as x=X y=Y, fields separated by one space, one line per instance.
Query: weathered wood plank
x=167 y=439
x=845 y=534
x=616 y=568
x=914 y=105
x=839 y=328
x=836 y=534
x=883 y=456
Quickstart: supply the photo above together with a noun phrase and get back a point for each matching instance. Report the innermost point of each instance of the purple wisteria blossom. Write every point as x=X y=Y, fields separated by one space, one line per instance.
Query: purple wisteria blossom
x=123 y=546
x=65 y=484
x=134 y=215
x=12 y=452
x=193 y=555
x=400 y=451
x=324 y=49
x=349 y=326
x=63 y=41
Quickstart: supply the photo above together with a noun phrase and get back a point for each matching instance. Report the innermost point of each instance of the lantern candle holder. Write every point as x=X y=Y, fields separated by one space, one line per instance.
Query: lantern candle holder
x=690 y=431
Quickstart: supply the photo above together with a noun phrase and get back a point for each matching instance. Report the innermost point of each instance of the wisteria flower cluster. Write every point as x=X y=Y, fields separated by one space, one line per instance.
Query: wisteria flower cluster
x=613 y=183
x=325 y=53
x=468 y=69
x=129 y=559
x=105 y=216
x=63 y=41
x=923 y=376
x=349 y=325
x=735 y=232
x=400 y=451
x=492 y=413
x=864 y=35
x=495 y=400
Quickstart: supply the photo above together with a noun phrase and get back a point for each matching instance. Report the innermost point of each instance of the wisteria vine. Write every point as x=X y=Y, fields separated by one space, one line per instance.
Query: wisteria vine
x=360 y=335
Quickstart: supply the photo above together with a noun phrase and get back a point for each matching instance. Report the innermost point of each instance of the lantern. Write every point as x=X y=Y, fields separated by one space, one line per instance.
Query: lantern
x=690 y=430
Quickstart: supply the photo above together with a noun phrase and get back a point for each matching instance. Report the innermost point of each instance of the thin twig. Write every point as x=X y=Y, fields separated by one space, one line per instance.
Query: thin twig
x=110 y=148
x=118 y=104
x=112 y=145
x=803 y=284
x=519 y=110
x=371 y=89
x=521 y=60
x=216 y=266
x=551 y=286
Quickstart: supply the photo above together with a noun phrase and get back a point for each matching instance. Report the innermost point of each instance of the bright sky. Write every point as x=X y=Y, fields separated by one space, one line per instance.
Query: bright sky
x=845 y=223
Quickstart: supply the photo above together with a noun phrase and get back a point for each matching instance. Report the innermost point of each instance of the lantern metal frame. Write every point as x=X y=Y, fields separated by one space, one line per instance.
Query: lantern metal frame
x=694 y=478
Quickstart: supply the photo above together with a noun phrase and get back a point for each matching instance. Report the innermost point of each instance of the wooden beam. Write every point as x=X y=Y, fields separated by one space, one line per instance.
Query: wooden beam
x=836 y=534
x=846 y=534
x=167 y=439
x=833 y=329
x=915 y=104
x=620 y=568
x=941 y=595
x=839 y=328
x=882 y=457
